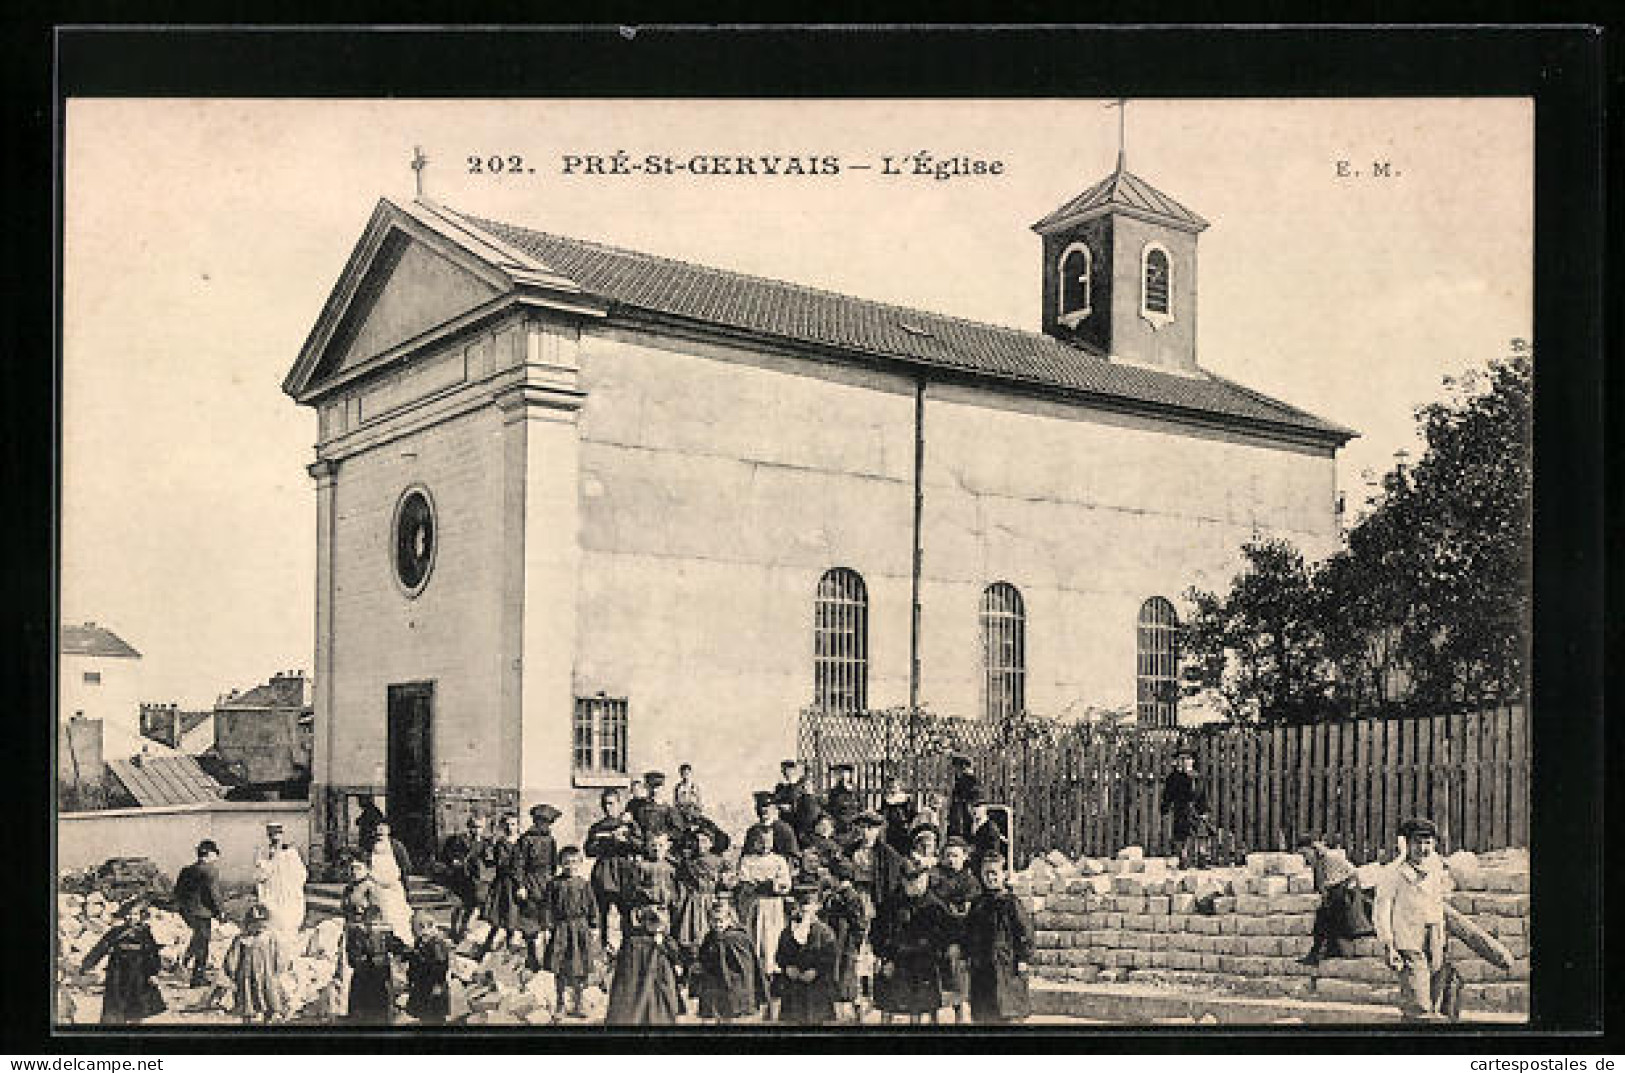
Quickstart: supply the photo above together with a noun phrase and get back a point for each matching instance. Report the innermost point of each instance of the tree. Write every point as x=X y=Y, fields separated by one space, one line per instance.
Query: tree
x=1426 y=607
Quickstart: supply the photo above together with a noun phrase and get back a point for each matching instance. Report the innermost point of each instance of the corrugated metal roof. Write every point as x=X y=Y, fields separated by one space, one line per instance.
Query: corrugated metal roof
x=1123 y=189
x=809 y=315
x=165 y=780
x=90 y=639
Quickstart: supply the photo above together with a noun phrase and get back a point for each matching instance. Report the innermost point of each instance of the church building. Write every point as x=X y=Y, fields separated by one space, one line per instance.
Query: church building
x=584 y=511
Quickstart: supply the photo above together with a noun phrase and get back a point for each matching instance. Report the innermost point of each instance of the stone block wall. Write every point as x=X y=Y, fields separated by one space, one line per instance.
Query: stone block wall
x=1243 y=930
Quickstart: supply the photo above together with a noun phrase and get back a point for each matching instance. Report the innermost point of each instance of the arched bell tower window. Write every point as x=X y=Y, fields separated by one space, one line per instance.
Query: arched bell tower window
x=1157 y=287
x=1074 y=270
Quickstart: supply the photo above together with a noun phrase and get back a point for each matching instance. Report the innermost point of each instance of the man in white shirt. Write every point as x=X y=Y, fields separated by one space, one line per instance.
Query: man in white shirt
x=1409 y=917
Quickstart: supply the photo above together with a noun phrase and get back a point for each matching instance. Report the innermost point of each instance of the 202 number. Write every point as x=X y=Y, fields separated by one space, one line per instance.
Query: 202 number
x=496 y=165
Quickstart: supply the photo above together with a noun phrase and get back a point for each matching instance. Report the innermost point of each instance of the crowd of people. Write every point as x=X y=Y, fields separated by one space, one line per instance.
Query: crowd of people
x=825 y=910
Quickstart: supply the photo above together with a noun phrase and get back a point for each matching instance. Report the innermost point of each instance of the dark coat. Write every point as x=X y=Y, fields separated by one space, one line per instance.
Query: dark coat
x=728 y=979
x=798 y=806
x=989 y=840
x=503 y=905
x=843 y=805
x=899 y=817
x=572 y=945
x=848 y=917
x=132 y=962
x=999 y=936
x=367 y=949
x=644 y=990
x=613 y=846
x=967 y=790
x=428 y=997
x=911 y=934
x=467 y=868
x=197 y=891
x=781 y=838
x=538 y=860
x=1185 y=798
x=886 y=874
x=659 y=818
x=808 y=1002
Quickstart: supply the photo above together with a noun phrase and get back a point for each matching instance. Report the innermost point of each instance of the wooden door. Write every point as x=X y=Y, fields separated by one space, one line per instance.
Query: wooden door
x=411 y=769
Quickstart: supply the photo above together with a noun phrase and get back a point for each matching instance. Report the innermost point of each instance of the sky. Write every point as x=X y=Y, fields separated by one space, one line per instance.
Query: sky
x=201 y=239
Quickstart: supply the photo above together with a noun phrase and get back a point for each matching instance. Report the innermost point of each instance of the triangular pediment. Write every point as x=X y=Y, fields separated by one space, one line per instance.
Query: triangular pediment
x=414 y=271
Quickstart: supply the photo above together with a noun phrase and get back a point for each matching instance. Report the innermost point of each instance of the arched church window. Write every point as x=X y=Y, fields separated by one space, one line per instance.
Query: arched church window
x=841 y=642
x=1156 y=664
x=1074 y=269
x=1004 y=651
x=1155 y=295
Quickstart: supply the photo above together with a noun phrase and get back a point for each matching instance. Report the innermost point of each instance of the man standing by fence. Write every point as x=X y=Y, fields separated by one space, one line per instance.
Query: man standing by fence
x=1184 y=797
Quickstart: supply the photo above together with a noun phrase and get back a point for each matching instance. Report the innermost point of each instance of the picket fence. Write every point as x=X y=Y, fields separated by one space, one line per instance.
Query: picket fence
x=1092 y=790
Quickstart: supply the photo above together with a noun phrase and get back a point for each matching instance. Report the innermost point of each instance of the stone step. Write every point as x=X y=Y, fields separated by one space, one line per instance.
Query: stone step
x=1142 y=1004
x=420 y=894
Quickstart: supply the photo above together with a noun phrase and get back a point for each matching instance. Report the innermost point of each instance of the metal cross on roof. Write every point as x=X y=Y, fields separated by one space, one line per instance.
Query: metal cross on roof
x=1121 y=104
x=419 y=162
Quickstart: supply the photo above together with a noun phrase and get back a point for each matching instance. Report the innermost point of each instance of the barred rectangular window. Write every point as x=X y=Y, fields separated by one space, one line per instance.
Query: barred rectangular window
x=599 y=738
x=841 y=642
x=1156 y=664
x=1004 y=652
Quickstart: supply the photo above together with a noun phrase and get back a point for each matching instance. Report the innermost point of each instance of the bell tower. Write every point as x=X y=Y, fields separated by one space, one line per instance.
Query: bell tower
x=1119 y=273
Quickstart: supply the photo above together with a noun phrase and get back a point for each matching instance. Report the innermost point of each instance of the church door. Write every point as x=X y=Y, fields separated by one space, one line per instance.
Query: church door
x=411 y=772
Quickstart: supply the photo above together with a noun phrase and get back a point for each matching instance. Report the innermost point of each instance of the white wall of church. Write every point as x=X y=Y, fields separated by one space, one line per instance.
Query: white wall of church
x=448 y=634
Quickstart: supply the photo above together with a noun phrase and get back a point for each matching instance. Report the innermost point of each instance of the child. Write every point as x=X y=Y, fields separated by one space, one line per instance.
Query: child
x=254 y=964
x=822 y=839
x=644 y=990
x=572 y=947
x=847 y=917
x=764 y=880
x=923 y=846
x=876 y=867
x=1409 y=918
x=129 y=995
x=466 y=866
x=428 y=996
x=506 y=899
x=953 y=883
x=686 y=794
x=807 y=954
x=1343 y=915
x=897 y=809
x=368 y=942
x=911 y=930
x=728 y=979
x=999 y=944
x=538 y=859
x=656 y=884
x=612 y=844
x=930 y=814
x=698 y=866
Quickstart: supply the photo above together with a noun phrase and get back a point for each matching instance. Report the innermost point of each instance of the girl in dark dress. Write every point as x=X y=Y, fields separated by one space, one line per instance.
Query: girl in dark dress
x=572 y=945
x=999 y=934
x=847 y=917
x=504 y=903
x=129 y=996
x=957 y=888
x=428 y=996
x=807 y=955
x=728 y=979
x=538 y=859
x=644 y=991
x=698 y=866
x=910 y=933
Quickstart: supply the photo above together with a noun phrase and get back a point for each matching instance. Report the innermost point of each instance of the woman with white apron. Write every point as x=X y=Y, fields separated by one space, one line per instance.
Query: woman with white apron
x=390 y=866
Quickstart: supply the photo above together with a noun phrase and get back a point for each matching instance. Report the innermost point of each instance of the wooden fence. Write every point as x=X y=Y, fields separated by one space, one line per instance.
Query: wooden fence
x=1092 y=790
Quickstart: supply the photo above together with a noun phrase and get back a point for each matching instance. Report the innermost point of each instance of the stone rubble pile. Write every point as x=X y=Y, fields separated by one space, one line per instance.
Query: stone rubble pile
x=1242 y=929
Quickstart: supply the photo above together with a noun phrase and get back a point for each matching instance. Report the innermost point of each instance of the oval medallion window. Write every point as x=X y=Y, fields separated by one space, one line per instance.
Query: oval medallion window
x=414 y=540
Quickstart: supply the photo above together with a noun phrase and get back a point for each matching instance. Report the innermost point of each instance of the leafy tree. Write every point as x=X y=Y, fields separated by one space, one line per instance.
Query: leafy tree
x=1427 y=606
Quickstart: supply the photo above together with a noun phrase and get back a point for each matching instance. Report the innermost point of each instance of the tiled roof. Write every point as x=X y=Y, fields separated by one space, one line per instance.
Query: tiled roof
x=286 y=692
x=1123 y=189
x=165 y=780
x=90 y=639
x=808 y=315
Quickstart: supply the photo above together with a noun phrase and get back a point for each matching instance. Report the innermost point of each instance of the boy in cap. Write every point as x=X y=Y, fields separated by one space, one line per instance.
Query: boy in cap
x=129 y=993
x=998 y=945
x=538 y=860
x=781 y=837
x=659 y=815
x=966 y=792
x=1409 y=917
x=876 y=868
x=958 y=889
x=466 y=864
x=613 y=843
x=911 y=931
x=197 y=899
x=842 y=802
x=807 y=955
x=798 y=806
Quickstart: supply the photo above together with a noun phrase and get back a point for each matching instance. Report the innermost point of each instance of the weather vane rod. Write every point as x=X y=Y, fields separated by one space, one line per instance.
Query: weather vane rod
x=1121 y=104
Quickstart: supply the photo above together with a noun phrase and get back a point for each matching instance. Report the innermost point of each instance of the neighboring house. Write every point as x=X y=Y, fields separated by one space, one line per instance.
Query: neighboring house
x=190 y=732
x=582 y=510
x=152 y=778
x=99 y=676
x=262 y=736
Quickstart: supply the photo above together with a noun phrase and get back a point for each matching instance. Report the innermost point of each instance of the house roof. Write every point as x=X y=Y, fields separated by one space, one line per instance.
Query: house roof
x=90 y=639
x=1124 y=191
x=632 y=280
x=289 y=692
x=165 y=780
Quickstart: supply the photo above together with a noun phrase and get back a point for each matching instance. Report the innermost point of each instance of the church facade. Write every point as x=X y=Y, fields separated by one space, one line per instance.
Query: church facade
x=584 y=511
